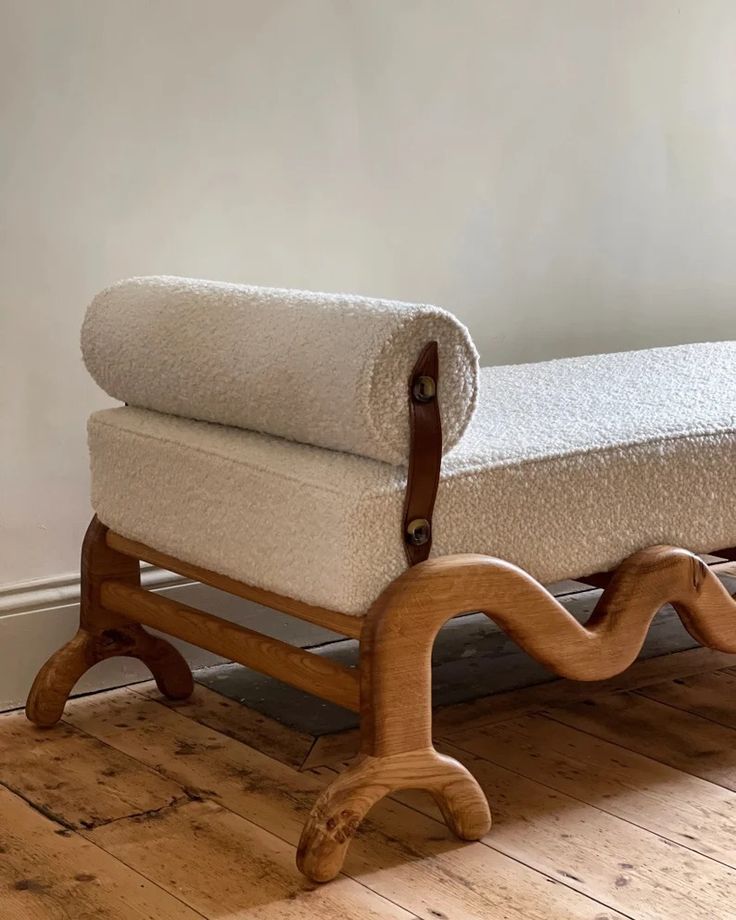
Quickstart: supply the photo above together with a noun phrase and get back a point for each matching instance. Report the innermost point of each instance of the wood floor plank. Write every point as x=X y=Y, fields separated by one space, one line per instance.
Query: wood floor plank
x=401 y=855
x=199 y=758
x=48 y=873
x=459 y=718
x=232 y=718
x=333 y=750
x=634 y=871
x=76 y=779
x=614 y=779
x=421 y=864
x=712 y=696
x=672 y=736
x=297 y=749
x=224 y=866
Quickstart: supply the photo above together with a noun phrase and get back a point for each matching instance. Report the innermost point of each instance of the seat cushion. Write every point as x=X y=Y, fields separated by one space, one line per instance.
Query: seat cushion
x=567 y=467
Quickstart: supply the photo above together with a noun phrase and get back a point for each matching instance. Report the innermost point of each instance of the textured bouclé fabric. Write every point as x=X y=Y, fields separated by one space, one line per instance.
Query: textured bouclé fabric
x=566 y=468
x=324 y=369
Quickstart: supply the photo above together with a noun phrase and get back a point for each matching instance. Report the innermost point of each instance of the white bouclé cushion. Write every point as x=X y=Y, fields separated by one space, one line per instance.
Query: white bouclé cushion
x=567 y=467
x=324 y=369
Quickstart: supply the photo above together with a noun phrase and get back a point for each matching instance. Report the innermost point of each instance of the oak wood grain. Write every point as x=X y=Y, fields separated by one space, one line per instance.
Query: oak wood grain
x=295 y=666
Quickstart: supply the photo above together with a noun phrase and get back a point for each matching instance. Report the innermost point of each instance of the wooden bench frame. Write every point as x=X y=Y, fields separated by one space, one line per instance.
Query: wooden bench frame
x=391 y=688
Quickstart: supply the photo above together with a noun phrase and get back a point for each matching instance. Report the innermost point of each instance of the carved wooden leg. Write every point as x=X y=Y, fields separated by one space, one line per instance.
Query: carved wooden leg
x=396 y=645
x=340 y=809
x=103 y=634
x=396 y=741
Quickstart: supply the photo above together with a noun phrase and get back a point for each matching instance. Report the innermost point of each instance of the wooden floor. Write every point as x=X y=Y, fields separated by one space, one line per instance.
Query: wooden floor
x=615 y=800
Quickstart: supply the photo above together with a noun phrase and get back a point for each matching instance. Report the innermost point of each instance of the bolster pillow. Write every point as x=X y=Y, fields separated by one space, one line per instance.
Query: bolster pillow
x=324 y=369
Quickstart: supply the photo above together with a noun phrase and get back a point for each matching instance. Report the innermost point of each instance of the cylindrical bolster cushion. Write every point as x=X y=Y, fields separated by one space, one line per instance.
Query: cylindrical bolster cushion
x=325 y=369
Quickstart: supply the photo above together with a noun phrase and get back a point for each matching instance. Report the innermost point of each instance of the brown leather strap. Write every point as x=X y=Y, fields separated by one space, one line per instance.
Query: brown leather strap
x=425 y=456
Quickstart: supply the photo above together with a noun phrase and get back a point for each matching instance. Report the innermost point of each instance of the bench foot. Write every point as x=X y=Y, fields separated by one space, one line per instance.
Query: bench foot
x=56 y=679
x=340 y=809
x=103 y=634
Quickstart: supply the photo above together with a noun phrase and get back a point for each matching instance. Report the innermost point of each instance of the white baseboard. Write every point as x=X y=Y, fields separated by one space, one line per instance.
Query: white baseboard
x=38 y=617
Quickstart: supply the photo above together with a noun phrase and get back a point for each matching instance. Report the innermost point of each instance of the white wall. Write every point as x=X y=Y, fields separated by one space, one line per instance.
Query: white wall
x=561 y=173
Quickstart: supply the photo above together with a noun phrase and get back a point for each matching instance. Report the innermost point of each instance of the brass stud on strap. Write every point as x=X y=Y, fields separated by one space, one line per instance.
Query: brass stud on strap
x=417 y=531
x=424 y=389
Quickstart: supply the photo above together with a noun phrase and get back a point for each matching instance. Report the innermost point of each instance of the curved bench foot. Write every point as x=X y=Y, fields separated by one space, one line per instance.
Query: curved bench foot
x=55 y=681
x=103 y=634
x=340 y=809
